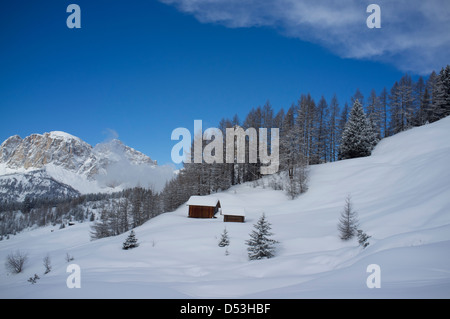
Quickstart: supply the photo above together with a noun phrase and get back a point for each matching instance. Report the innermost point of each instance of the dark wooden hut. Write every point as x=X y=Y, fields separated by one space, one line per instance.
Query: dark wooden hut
x=203 y=206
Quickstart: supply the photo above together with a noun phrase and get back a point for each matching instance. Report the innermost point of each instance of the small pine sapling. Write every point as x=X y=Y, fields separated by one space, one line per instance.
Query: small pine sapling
x=224 y=239
x=363 y=238
x=131 y=241
x=348 y=222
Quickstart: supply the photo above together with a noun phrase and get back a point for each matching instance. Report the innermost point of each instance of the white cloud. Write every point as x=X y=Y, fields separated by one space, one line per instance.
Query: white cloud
x=414 y=34
x=123 y=173
x=111 y=134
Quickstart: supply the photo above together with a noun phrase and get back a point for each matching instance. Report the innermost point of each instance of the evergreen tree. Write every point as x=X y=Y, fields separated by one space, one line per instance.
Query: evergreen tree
x=348 y=221
x=358 y=138
x=441 y=95
x=363 y=238
x=224 y=239
x=260 y=245
x=131 y=241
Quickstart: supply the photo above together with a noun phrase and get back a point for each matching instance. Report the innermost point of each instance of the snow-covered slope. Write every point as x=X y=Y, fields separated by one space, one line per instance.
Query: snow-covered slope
x=69 y=160
x=402 y=195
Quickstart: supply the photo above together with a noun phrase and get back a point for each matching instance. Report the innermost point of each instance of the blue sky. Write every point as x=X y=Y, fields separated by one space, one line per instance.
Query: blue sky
x=137 y=70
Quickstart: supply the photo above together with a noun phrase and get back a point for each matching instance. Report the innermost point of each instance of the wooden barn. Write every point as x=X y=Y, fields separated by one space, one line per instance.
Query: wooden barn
x=203 y=207
x=236 y=215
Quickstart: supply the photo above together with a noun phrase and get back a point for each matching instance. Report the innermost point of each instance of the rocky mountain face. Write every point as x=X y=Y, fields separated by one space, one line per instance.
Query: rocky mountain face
x=65 y=163
x=66 y=151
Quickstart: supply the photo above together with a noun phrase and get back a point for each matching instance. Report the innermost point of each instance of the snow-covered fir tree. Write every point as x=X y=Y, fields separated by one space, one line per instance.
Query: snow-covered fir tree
x=131 y=241
x=358 y=138
x=260 y=245
x=224 y=239
x=348 y=221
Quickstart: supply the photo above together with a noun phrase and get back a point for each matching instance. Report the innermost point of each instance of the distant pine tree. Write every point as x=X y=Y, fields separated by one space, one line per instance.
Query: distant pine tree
x=358 y=138
x=348 y=222
x=131 y=241
x=441 y=95
x=260 y=245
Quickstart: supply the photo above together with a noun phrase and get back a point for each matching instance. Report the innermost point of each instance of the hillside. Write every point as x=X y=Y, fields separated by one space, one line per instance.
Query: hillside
x=402 y=196
x=37 y=184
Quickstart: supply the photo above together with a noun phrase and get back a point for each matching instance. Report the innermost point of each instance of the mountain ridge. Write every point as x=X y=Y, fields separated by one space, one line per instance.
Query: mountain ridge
x=65 y=150
x=36 y=184
x=70 y=160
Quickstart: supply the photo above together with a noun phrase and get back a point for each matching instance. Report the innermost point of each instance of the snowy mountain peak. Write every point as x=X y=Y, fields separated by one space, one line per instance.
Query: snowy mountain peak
x=62 y=135
x=67 y=151
x=37 y=150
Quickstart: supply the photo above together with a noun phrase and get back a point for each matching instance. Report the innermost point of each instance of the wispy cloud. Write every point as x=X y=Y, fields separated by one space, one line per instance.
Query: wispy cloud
x=414 y=34
x=110 y=134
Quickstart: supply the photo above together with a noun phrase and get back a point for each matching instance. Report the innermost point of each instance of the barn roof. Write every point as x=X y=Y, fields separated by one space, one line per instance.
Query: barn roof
x=202 y=201
x=234 y=211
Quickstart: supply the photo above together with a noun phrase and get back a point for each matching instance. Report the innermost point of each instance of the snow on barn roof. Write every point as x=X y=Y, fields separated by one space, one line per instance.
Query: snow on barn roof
x=202 y=201
x=236 y=211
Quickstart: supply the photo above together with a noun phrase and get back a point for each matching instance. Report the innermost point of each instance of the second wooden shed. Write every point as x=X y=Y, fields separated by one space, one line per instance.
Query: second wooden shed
x=236 y=215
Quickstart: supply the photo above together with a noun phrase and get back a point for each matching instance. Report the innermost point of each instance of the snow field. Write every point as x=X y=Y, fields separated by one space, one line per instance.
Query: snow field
x=401 y=194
